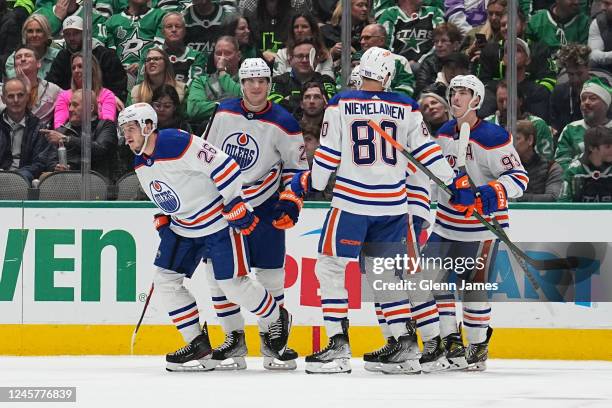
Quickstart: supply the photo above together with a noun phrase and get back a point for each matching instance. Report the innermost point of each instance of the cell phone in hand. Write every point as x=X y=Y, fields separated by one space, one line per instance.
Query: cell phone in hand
x=481 y=40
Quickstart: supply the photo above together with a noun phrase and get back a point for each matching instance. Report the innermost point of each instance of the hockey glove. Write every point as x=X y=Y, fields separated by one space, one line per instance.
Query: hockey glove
x=492 y=198
x=161 y=222
x=239 y=216
x=301 y=183
x=463 y=198
x=287 y=210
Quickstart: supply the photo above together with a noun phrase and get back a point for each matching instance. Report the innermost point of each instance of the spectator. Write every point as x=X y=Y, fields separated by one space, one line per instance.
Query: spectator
x=360 y=17
x=456 y=63
x=563 y=23
x=240 y=28
x=314 y=101
x=446 y=40
x=595 y=101
x=43 y=94
x=35 y=34
x=542 y=68
x=57 y=12
x=114 y=77
x=311 y=136
x=271 y=24
x=9 y=33
x=207 y=90
x=158 y=71
x=565 y=98
x=410 y=28
x=204 y=20
x=131 y=32
x=304 y=26
x=435 y=110
x=589 y=179
x=544 y=143
x=600 y=37
x=466 y=15
x=106 y=105
x=103 y=139
x=545 y=176
x=287 y=88
x=167 y=105
x=186 y=62
x=374 y=35
x=379 y=6
x=22 y=147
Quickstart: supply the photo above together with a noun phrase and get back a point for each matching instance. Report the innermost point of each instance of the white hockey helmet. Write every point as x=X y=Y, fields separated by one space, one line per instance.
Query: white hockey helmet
x=254 y=68
x=141 y=113
x=355 y=79
x=470 y=82
x=376 y=64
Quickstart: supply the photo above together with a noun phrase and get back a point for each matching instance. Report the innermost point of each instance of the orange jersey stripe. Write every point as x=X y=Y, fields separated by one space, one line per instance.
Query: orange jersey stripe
x=178 y=319
x=396 y=312
x=202 y=217
x=329 y=236
x=425 y=314
x=326 y=157
x=253 y=190
x=226 y=172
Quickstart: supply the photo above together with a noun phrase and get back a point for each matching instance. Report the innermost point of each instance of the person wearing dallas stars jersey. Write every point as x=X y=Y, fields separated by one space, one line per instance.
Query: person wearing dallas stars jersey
x=204 y=216
x=267 y=143
x=494 y=166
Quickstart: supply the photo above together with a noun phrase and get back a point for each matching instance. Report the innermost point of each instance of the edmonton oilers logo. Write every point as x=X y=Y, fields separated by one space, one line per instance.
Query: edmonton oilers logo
x=164 y=196
x=243 y=148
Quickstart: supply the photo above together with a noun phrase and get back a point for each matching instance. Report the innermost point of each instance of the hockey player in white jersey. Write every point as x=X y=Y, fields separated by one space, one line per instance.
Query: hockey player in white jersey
x=198 y=188
x=267 y=143
x=369 y=206
x=497 y=173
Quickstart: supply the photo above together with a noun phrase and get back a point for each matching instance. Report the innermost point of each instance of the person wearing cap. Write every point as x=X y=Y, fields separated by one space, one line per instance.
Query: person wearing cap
x=589 y=178
x=114 y=76
x=435 y=109
x=595 y=100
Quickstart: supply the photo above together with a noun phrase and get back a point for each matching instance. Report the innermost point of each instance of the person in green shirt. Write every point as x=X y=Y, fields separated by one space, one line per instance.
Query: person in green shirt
x=589 y=179
x=207 y=90
x=562 y=24
x=595 y=100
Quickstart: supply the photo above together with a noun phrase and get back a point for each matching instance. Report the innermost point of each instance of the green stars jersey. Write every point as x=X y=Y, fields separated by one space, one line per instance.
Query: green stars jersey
x=586 y=184
x=542 y=27
x=544 y=139
x=130 y=36
x=571 y=142
x=411 y=36
x=98 y=21
x=187 y=65
x=202 y=32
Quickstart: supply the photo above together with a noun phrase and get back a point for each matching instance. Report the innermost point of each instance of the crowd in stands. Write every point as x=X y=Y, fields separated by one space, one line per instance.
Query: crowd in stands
x=182 y=57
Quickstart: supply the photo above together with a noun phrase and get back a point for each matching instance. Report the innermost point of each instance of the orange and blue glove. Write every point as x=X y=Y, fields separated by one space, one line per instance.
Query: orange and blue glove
x=161 y=221
x=287 y=210
x=463 y=198
x=301 y=183
x=239 y=216
x=492 y=197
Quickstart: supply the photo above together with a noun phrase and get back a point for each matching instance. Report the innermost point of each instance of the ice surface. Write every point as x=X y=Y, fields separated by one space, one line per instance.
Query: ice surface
x=117 y=382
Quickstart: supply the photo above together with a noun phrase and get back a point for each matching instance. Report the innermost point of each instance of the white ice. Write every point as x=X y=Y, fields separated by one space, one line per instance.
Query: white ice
x=117 y=382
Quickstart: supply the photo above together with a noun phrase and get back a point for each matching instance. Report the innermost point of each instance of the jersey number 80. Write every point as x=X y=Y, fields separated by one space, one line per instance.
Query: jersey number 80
x=365 y=142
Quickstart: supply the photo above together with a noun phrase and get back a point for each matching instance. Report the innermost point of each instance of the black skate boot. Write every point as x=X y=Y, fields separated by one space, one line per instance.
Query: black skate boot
x=335 y=358
x=372 y=363
x=279 y=331
x=477 y=354
x=194 y=353
x=272 y=360
x=455 y=352
x=404 y=357
x=229 y=355
x=433 y=358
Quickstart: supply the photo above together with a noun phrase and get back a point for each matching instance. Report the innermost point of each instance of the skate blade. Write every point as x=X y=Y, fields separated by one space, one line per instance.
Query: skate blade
x=407 y=367
x=440 y=364
x=477 y=367
x=274 y=364
x=229 y=364
x=191 y=366
x=457 y=363
x=340 y=365
x=373 y=367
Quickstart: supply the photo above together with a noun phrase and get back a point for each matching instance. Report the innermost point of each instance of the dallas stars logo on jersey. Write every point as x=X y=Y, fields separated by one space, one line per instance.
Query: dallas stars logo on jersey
x=411 y=36
x=131 y=35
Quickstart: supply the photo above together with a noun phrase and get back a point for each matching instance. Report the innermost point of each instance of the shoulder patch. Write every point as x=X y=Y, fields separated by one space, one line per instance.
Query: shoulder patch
x=489 y=135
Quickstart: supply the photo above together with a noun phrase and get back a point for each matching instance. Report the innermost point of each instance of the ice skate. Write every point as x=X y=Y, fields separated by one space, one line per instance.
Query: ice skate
x=335 y=358
x=190 y=357
x=229 y=355
x=455 y=352
x=478 y=353
x=433 y=358
x=279 y=331
x=372 y=362
x=272 y=360
x=404 y=357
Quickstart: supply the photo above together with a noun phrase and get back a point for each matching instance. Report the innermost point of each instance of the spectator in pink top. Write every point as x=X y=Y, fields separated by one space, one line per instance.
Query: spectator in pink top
x=107 y=107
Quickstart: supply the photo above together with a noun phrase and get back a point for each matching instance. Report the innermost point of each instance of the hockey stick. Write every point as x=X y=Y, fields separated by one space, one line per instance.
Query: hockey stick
x=144 y=309
x=210 y=122
x=540 y=264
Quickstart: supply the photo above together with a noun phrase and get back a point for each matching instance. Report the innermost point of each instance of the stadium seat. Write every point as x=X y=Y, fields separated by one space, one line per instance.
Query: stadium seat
x=14 y=186
x=66 y=185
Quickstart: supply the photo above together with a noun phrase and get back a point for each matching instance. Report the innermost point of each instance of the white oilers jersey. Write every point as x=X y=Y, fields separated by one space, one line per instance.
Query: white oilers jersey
x=490 y=156
x=190 y=180
x=267 y=145
x=370 y=173
x=418 y=189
